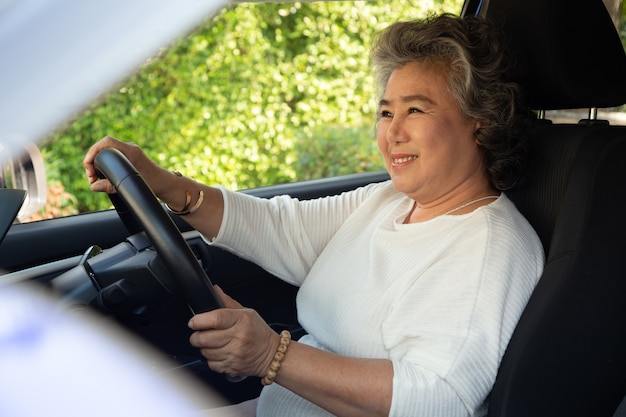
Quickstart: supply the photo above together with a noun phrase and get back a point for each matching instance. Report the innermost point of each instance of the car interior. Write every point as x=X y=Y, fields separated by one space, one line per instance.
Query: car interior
x=567 y=356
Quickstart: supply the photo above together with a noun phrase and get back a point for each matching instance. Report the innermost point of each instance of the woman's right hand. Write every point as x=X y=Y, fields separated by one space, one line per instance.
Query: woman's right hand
x=169 y=187
x=148 y=169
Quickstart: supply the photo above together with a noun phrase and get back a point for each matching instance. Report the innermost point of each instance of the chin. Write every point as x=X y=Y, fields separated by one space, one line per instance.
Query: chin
x=401 y=185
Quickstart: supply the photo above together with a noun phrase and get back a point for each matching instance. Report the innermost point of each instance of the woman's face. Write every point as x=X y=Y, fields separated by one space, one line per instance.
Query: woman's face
x=427 y=144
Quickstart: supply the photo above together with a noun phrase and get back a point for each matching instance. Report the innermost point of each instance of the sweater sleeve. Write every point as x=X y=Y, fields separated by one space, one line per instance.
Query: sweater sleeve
x=282 y=234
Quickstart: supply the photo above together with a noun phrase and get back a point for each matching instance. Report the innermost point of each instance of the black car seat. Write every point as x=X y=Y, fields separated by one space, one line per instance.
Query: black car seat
x=567 y=356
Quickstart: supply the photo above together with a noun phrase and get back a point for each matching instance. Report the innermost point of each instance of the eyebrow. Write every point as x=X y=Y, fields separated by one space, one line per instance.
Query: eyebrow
x=407 y=99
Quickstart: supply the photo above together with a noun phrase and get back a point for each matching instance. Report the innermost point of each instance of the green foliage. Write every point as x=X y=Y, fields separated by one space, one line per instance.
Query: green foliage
x=337 y=150
x=262 y=94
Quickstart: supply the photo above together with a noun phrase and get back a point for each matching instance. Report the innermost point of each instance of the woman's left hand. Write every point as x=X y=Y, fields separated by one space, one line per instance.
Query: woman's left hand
x=235 y=340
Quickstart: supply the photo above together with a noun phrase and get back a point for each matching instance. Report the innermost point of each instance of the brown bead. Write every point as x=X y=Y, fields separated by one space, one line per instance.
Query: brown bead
x=279 y=356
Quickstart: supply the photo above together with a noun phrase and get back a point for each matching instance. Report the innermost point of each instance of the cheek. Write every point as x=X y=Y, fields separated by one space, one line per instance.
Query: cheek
x=381 y=138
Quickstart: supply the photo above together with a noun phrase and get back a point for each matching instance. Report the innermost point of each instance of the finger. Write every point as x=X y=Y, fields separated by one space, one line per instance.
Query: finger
x=209 y=340
x=220 y=318
x=218 y=365
x=228 y=301
x=103 y=186
x=105 y=142
x=88 y=160
x=212 y=320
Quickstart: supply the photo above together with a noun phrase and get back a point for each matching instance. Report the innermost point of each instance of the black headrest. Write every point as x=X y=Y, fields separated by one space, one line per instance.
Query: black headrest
x=572 y=51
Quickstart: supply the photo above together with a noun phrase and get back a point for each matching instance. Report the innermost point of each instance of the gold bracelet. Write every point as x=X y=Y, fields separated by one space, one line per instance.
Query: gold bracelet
x=186 y=209
x=285 y=339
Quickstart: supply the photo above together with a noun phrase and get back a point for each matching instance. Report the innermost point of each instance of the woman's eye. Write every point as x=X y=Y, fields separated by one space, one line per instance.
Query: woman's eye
x=414 y=110
x=385 y=113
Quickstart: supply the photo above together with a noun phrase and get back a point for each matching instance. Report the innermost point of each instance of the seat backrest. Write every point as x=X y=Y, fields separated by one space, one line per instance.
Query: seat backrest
x=567 y=355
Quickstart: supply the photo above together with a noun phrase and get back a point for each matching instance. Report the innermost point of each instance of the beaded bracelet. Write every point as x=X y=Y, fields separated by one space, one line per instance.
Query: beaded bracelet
x=186 y=209
x=285 y=339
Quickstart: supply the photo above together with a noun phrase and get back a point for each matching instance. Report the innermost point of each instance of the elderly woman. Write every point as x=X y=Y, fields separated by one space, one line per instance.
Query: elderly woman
x=409 y=289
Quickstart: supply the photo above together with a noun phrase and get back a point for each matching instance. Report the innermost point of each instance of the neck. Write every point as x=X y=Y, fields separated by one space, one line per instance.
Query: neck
x=455 y=206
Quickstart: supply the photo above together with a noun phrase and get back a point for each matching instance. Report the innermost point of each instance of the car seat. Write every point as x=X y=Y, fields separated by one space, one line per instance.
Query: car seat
x=567 y=356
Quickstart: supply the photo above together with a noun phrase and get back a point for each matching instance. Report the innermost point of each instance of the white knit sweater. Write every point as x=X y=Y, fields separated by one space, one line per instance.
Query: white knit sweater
x=440 y=298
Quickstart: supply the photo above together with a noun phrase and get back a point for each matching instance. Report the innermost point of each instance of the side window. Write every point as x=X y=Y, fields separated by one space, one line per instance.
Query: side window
x=261 y=94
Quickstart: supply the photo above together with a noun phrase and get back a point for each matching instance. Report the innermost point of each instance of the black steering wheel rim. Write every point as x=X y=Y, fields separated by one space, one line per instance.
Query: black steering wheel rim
x=191 y=279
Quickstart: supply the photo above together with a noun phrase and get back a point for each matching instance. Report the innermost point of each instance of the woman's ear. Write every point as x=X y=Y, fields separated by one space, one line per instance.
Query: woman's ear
x=478 y=124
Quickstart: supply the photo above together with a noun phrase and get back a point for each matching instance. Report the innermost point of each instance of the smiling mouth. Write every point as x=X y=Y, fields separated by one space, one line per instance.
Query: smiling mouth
x=403 y=160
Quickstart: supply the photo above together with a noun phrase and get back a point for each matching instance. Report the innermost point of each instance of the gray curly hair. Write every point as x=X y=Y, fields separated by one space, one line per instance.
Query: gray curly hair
x=479 y=67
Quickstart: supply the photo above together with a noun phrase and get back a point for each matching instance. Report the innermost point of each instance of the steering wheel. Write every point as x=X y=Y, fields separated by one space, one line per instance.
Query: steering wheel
x=140 y=210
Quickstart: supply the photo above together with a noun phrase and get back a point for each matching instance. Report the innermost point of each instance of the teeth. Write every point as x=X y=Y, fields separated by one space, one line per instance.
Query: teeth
x=405 y=159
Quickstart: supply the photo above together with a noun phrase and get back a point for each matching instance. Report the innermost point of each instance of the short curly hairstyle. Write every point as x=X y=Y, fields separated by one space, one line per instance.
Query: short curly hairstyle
x=479 y=74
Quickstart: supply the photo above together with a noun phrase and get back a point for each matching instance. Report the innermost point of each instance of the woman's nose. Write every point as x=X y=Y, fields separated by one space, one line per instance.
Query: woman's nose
x=396 y=132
